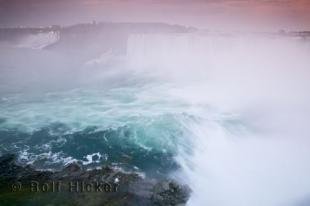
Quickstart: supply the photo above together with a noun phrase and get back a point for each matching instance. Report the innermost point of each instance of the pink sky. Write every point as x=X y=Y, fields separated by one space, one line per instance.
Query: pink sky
x=259 y=15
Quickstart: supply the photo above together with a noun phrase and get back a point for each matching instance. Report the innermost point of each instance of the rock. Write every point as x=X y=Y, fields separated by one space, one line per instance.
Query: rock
x=170 y=193
x=132 y=189
x=73 y=167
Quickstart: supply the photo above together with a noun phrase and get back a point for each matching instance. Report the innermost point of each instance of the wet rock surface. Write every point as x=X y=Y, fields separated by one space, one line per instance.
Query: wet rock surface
x=168 y=193
x=77 y=186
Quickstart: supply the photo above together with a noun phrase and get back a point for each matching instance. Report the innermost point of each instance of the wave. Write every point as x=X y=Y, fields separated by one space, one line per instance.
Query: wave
x=213 y=112
x=55 y=146
x=94 y=127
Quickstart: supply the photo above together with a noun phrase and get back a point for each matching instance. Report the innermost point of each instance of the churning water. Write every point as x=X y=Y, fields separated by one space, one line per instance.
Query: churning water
x=227 y=115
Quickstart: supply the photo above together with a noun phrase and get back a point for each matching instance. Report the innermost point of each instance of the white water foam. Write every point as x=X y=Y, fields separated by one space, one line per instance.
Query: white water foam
x=39 y=41
x=260 y=80
x=242 y=103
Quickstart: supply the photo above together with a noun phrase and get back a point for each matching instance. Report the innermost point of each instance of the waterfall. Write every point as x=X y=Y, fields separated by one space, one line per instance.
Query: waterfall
x=237 y=87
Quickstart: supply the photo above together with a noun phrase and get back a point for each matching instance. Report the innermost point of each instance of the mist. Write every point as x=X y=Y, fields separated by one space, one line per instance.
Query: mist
x=249 y=138
x=210 y=93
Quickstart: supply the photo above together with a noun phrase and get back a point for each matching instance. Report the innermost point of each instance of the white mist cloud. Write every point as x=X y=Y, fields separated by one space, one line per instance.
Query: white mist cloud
x=260 y=158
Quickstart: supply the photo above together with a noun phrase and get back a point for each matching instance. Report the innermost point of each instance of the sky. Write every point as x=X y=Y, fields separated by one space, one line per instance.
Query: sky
x=254 y=15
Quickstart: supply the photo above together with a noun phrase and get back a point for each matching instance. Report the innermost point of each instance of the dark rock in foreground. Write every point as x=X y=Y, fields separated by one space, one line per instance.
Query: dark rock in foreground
x=76 y=186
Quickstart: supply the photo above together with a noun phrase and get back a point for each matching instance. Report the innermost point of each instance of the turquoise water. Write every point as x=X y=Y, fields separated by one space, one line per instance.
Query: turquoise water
x=231 y=123
x=133 y=128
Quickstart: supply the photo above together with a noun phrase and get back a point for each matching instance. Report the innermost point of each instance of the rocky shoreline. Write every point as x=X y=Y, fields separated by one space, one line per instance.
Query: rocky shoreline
x=77 y=186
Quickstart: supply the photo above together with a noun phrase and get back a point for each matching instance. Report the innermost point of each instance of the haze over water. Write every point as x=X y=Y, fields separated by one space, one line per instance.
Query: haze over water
x=225 y=112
